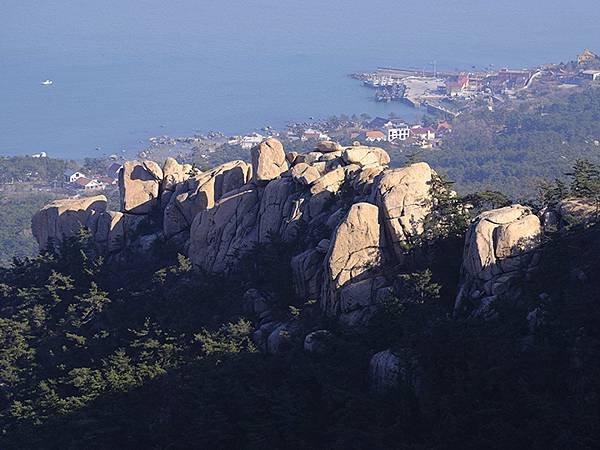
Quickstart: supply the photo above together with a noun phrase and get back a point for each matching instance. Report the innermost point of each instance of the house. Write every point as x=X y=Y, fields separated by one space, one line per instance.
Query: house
x=39 y=155
x=425 y=133
x=112 y=171
x=444 y=127
x=106 y=181
x=375 y=136
x=513 y=77
x=311 y=134
x=72 y=175
x=593 y=75
x=378 y=123
x=587 y=56
x=456 y=85
x=87 y=184
x=251 y=140
x=401 y=133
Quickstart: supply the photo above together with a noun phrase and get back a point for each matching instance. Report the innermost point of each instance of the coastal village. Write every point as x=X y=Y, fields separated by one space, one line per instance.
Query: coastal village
x=450 y=92
x=442 y=96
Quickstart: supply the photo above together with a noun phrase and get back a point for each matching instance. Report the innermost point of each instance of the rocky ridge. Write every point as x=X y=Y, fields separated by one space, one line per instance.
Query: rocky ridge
x=349 y=218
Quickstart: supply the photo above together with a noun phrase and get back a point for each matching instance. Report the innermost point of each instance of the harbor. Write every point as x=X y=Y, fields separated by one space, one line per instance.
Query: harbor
x=449 y=92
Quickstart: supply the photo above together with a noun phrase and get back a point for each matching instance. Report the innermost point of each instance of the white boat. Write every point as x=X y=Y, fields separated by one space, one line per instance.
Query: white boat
x=47 y=82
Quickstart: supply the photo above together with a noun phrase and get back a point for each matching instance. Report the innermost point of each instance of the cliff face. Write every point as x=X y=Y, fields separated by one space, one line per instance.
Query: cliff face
x=349 y=217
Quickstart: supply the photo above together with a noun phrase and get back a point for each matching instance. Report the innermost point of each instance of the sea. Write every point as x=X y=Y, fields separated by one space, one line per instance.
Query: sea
x=124 y=71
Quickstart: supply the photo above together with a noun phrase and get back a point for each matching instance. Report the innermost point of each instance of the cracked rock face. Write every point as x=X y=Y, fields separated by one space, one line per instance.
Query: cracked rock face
x=201 y=192
x=354 y=254
x=220 y=235
x=404 y=198
x=499 y=251
x=268 y=160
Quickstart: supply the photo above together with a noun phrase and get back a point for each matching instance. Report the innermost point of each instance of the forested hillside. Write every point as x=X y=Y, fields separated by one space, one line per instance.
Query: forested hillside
x=155 y=354
x=511 y=148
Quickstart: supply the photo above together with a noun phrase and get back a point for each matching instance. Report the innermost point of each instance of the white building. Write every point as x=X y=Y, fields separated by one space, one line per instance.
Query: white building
x=401 y=133
x=593 y=75
x=87 y=184
x=375 y=136
x=252 y=140
x=311 y=134
x=73 y=175
x=425 y=133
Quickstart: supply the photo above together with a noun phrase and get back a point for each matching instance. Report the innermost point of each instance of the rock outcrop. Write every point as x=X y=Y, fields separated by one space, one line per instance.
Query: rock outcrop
x=499 y=252
x=404 y=199
x=200 y=192
x=64 y=218
x=570 y=211
x=336 y=206
x=390 y=369
x=353 y=262
x=139 y=185
x=268 y=160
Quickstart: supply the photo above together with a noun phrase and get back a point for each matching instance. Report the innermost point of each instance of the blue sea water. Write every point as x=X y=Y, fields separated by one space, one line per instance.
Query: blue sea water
x=127 y=70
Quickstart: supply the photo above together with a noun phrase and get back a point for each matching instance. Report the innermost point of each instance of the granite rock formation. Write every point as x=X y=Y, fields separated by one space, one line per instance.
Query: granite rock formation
x=500 y=250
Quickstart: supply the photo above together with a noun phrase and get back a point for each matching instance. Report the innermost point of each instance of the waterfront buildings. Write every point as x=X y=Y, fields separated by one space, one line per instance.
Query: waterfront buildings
x=400 y=133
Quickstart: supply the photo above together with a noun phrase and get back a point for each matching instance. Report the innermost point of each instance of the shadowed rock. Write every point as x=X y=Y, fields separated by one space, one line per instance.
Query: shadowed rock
x=139 y=186
x=499 y=251
x=403 y=195
x=64 y=218
x=354 y=254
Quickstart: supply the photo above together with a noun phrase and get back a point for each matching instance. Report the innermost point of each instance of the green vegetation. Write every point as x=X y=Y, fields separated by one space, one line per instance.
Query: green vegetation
x=100 y=356
x=16 y=240
x=19 y=169
x=511 y=148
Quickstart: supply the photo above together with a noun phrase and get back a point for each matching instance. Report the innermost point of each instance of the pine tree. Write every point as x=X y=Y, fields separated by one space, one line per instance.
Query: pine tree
x=585 y=180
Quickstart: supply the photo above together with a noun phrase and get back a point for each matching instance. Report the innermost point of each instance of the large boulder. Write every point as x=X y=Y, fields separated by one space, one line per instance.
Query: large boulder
x=278 y=215
x=403 y=195
x=319 y=342
x=64 y=218
x=201 y=192
x=499 y=251
x=115 y=230
x=305 y=174
x=366 y=156
x=570 y=211
x=268 y=160
x=384 y=369
x=354 y=254
x=174 y=173
x=139 y=186
x=329 y=146
x=389 y=370
x=307 y=270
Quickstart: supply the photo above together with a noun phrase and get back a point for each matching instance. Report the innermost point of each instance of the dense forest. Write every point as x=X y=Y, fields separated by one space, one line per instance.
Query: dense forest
x=520 y=143
x=16 y=240
x=155 y=355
